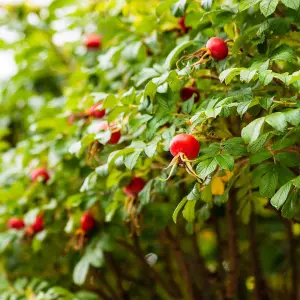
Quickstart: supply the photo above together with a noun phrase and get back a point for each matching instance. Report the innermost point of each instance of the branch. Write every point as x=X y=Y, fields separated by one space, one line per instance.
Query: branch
x=115 y=269
x=203 y=272
x=292 y=258
x=220 y=269
x=232 y=248
x=260 y=291
x=150 y=270
x=181 y=263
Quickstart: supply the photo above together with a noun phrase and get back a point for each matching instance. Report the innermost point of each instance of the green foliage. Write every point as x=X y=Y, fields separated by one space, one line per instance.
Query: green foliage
x=247 y=122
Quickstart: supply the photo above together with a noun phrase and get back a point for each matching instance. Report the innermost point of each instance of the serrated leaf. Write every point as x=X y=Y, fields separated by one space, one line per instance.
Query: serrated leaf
x=252 y=131
x=279 y=198
x=178 y=8
x=245 y=4
x=293 y=4
x=268 y=184
x=234 y=147
x=131 y=159
x=296 y=182
x=118 y=153
x=267 y=7
x=178 y=209
x=195 y=193
x=283 y=52
x=293 y=116
x=247 y=75
x=277 y=120
x=229 y=74
x=225 y=161
x=144 y=194
x=265 y=77
x=243 y=107
x=81 y=270
x=189 y=210
x=259 y=143
x=290 y=206
x=188 y=105
x=206 y=167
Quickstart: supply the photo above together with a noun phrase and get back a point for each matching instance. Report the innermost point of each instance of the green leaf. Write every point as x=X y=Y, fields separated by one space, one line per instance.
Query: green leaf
x=144 y=194
x=260 y=156
x=189 y=210
x=259 y=143
x=131 y=159
x=245 y=4
x=290 y=206
x=225 y=161
x=178 y=209
x=118 y=153
x=279 y=198
x=229 y=74
x=267 y=7
x=293 y=116
x=268 y=184
x=173 y=55
x=234 y=146
x=145 y=75
x=81 y=270
x=284 y=53
x=293 y=4
x=195 y=193
x=296 y=182
x=277 y=121
x=252 y=131
x=178 y=8
x=206 y=167
x=247 y=75
x=110 y=102
x=188 y=105
x=288 y=159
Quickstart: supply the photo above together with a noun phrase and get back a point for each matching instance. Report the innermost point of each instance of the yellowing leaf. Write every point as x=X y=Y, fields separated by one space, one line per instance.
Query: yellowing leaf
x=217 y=186
x=227 y=176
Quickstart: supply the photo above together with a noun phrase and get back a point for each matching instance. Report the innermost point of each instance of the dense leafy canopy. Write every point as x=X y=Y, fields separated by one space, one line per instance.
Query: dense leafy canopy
x=94 y=106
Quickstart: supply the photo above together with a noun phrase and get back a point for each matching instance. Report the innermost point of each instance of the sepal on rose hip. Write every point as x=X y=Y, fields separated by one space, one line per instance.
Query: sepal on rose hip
x=185 y=148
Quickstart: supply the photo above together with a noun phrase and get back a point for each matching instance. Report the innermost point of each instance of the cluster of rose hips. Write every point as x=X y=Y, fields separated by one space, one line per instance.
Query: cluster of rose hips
x=42 y=175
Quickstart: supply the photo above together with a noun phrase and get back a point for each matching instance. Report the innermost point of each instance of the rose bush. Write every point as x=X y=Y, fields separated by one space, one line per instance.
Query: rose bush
x=106 y=93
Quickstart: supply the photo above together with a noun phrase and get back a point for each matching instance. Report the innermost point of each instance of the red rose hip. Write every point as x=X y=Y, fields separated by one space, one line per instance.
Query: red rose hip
x=40 y=174
x=186 y=144
x=87 y=222
x=134 y=187
x=16 y=223
x=115 y=132
x=93 y=42
x=218 y=48
x=97 y=113
x=188 y=91
x=38 y=224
